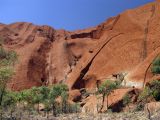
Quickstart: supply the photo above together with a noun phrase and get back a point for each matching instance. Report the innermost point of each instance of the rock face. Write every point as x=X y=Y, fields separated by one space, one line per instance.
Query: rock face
x=126 y=43
x=114 y=102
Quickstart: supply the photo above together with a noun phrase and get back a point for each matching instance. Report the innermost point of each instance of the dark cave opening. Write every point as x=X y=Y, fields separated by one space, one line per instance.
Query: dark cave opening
x=42 y=79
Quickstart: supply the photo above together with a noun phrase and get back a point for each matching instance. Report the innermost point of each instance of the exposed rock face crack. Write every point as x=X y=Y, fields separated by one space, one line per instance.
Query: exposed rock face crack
x=86 y=68
x=144 y=44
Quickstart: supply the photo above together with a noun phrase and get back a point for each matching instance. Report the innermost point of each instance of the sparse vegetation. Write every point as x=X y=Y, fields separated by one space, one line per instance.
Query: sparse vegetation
x=155 y=68
x=7 y=60
x=54 y=99
x=126 y=100
x=143 y=99
x=150 y=92
x=154 y=87
x=26 y=100
x=105 y=89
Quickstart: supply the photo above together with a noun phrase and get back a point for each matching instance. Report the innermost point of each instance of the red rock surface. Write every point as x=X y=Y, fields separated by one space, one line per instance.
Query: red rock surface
x=94 y=103
x=126 y=43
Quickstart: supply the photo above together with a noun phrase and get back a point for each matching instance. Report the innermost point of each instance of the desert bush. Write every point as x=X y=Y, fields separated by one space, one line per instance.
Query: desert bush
x=155 y=68
x=143 y=98
x=154 y=87
x=126 y=100
x=9 y=102
x=7 y=58
x=144 y=95
x=150 y=92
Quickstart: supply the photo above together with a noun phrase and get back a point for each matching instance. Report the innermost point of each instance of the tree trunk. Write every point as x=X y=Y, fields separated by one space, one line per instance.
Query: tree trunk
x=38 y=109
x=128 y=107
x=53 y=110
x=107 y=102
x=1 y=96
x=103 y=98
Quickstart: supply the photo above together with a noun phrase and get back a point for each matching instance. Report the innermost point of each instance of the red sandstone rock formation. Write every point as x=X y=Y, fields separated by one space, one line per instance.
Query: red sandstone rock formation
x=126 y=43
x=94 y=103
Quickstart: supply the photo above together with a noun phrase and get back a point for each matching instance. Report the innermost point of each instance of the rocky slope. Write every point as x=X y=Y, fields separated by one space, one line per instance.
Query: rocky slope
x=125 y=44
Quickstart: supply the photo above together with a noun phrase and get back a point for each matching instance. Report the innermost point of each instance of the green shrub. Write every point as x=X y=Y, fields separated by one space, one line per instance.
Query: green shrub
x=144 y=95
x=27 y=99
x=155 y=68
x=154 y=86
x=151 y=91
x=126 y=100
x=143 y=98
x=7 y=58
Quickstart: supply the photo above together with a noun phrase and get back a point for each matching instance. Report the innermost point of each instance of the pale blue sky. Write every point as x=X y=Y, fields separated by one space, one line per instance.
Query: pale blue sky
x=66 y=14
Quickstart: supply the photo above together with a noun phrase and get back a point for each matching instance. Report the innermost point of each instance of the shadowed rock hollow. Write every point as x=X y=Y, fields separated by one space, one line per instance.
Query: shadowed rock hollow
x=126 y=43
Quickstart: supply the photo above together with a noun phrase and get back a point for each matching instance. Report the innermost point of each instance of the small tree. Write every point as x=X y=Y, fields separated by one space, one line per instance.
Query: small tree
x=64 y=96
x=37 y=97
x=40 y=94
x=27 y=98
x=55 y=92
x=20 y=101
x=44 y=91
x=47 y=108
x=7 y=60
x=9 y=101
x=105 y=89
x=5 y=75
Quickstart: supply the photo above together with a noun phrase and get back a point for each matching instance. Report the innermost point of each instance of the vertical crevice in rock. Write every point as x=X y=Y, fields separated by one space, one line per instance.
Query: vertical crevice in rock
x=144 y=54
x=86 y=68
x=144 y=43
x=49 y=69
